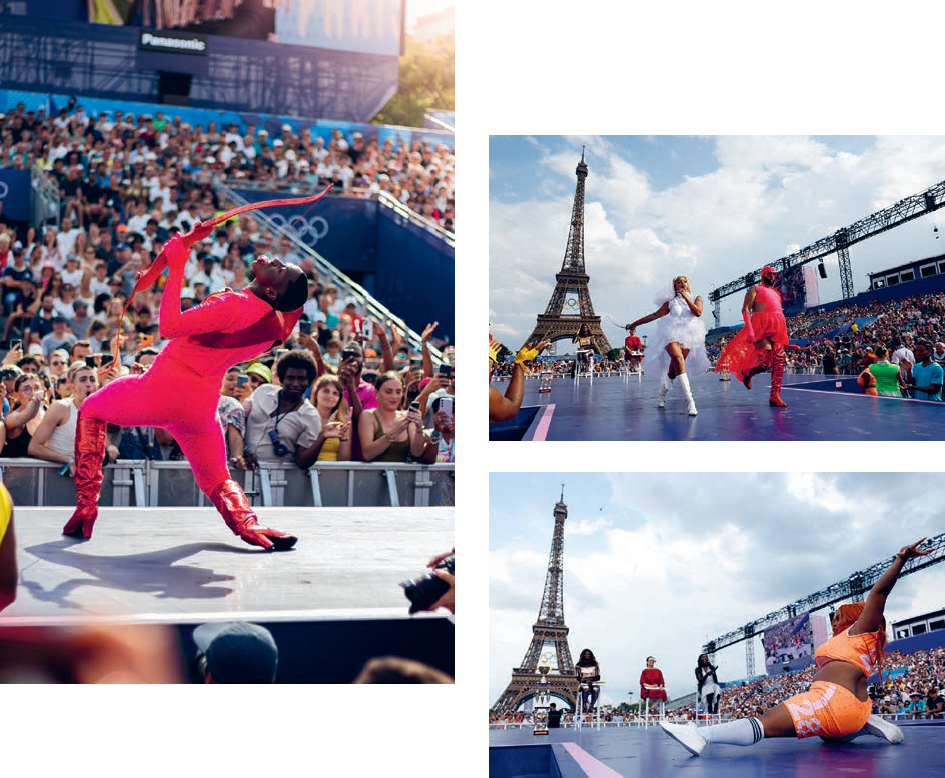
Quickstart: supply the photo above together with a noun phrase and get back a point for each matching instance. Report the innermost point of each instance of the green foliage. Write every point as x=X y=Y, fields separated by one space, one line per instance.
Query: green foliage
x=427 y=81
x=615 y=354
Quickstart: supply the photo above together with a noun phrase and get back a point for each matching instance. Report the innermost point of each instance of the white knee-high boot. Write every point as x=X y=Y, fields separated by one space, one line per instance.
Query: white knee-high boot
x=687 y=392
x=665 y=386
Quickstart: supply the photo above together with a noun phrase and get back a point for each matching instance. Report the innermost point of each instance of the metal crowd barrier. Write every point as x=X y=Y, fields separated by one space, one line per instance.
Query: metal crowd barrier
x=164 y=484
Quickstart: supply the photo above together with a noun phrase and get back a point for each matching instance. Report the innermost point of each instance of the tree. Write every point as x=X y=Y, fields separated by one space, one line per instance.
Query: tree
x=615 y=354
x=427 y=81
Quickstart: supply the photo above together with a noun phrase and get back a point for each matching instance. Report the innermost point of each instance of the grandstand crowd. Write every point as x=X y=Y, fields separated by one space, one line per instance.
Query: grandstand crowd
x=129 y=184
x=913 y=687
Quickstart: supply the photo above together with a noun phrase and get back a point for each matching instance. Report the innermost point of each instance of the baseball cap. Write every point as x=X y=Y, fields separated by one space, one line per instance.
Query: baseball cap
x=238 y=652
x=261 y=370
x=187 y=292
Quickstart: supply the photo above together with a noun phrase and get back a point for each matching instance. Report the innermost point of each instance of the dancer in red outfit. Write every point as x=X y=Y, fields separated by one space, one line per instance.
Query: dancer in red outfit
x=761 y=343
x=180 y=391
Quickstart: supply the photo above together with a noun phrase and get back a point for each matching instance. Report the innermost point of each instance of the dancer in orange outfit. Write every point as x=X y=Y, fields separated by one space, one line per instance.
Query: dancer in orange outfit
x=180 y=391
x=837 y=705
x=761 y=343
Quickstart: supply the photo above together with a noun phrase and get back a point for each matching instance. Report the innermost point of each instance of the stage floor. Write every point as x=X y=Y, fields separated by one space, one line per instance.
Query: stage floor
x=183 y=564
x=615 y=409
x=633 y=751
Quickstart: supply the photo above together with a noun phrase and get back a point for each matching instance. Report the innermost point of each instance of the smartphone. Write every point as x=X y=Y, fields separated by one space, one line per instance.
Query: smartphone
x=416 y=361
x=415 y=405
x=446 y=406
x=367 y=329
x=305 y=327
x=446 y=370
x=348 y=353
x=106 y=359
x=242 y=380
x=90 y=361
x=14 y=344
x=280 y=353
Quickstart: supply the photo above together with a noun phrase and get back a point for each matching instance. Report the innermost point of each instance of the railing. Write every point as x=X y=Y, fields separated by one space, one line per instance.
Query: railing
x=164 y=484
x=372 y=307
x=302 y=188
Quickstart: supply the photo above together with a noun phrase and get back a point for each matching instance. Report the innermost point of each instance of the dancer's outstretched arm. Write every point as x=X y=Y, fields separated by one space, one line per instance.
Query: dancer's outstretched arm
x=659 y=313
x=872 y=617
x=213 y=315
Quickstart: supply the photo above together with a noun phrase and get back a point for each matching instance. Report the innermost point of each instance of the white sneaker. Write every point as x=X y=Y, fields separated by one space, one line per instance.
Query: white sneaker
x=879 y=727
x=686 y=735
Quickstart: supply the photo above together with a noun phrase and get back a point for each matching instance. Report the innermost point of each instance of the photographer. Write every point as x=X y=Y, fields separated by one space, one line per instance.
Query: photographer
x=448 y=600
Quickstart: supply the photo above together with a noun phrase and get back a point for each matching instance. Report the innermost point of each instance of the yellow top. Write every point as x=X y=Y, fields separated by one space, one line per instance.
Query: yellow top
x=329 y=450
x=6 y=510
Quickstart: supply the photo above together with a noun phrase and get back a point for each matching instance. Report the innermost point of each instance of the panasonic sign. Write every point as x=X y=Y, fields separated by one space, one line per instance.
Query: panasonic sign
x=177 y=42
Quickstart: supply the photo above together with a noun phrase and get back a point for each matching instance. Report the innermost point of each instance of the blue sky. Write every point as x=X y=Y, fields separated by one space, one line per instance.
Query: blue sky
x=710 y=207
x=659 y=563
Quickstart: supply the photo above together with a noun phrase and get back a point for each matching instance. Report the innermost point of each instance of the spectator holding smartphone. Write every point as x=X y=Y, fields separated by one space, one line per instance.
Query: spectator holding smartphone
x=25 y=416
x=386 y=433
x=334 y=440
x=54 y=439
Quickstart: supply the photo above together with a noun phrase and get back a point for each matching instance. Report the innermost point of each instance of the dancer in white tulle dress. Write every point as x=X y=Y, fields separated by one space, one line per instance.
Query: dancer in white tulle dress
x=679 y=336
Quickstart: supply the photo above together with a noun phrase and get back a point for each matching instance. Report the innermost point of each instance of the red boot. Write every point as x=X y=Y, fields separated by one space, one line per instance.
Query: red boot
x=231 y=502
x=763 y=364
x=89 y=454
x=777 y=376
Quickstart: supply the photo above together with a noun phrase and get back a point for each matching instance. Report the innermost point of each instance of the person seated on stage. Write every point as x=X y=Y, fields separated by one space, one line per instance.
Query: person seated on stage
x=652 y=685
x=503 y=408
x=632 y=346
x=280 y=422
x=588 y=674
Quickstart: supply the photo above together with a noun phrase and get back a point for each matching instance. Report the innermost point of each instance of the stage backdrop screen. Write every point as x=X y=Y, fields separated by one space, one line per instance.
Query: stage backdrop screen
x=789 y=644
x=365 y=26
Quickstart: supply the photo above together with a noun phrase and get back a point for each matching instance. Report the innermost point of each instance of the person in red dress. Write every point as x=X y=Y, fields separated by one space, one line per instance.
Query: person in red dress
x=180 y=391
x=632 y=346
x=761 y=343
x=652 y=685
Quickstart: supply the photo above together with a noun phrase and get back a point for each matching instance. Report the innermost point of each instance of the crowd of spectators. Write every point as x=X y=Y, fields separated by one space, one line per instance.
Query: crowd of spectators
x=913 y=687
x=130 y=184
x=133 y=169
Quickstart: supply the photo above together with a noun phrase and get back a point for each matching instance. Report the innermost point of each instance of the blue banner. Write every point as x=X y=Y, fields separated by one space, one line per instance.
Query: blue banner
x=15 y=194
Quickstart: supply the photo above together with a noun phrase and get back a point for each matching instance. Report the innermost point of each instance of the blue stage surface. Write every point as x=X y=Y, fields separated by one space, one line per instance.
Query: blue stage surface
x=634 y=751
x=819 y=408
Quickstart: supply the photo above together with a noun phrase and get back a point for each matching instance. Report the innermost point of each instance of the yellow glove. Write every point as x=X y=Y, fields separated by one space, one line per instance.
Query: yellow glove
x=494 y=348
x=526 y=355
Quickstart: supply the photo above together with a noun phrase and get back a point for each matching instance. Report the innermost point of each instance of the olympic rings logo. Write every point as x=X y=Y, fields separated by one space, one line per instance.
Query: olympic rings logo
x=572 y=303
x=4 y=190
x=309 y=231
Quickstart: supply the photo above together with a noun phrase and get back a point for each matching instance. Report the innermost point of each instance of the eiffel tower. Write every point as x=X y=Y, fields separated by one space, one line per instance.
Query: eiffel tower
x=571 y=288
x=549 y=635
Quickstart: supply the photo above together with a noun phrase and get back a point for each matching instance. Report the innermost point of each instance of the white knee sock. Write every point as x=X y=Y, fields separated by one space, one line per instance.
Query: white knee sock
x=743 y=732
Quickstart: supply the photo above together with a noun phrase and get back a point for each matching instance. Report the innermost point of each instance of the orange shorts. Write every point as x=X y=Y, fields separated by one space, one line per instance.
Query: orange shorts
x=828 y=710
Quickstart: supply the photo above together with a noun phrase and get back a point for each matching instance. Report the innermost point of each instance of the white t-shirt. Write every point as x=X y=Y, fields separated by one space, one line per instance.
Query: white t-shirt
x=296 y=429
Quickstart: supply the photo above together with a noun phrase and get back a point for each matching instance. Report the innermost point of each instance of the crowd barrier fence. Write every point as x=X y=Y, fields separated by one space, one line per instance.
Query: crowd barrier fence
x=142 y=483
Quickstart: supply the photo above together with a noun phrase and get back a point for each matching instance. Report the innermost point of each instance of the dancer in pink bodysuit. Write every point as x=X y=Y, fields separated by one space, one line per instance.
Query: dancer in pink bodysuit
x=761 y=343
x=181 y=389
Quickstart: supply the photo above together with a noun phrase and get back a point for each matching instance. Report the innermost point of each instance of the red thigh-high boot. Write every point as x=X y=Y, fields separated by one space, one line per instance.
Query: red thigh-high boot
x=89 y=454
x=762 y=363
x=777 y=375
x=230 y=500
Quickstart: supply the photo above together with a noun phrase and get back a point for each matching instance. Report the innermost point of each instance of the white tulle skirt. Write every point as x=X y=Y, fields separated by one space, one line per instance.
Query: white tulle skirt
x=686 y=330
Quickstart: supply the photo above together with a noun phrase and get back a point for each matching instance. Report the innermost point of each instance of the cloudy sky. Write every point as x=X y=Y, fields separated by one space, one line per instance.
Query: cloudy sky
x=659 y=563
x=712 y=208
